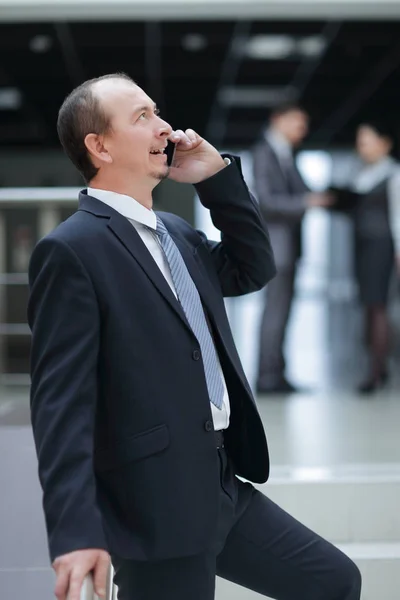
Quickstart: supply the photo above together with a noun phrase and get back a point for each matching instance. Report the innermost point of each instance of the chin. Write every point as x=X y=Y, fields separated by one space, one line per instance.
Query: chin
x=161 y=174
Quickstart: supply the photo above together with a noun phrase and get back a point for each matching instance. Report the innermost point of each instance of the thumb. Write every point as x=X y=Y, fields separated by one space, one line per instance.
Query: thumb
x=100 y=573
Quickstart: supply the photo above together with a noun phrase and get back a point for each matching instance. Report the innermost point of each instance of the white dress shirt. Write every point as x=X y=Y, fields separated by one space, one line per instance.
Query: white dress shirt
x=370 y=176
x=280 y=146
x=142 y=218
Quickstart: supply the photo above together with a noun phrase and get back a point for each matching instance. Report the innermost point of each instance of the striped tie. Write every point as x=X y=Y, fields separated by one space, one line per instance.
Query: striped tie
x=190 y=301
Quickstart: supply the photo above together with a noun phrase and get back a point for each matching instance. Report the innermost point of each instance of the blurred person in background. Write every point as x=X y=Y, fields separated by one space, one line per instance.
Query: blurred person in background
x=141 y=411
x=284 y=198
x=375 y=211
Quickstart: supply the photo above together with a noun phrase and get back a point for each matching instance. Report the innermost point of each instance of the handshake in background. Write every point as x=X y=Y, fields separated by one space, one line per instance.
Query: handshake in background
x=320 y=200
x=339 y=199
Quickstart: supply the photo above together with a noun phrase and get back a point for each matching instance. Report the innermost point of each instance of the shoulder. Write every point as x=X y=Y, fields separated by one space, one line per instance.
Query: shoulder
x=73 y=235
x=80 y=226
x=394 y=179
x=396 y=171
x=264 y=154
x=393 y=187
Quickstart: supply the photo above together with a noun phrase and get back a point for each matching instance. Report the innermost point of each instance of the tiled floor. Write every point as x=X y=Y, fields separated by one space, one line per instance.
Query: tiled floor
x=328 y=424
x=328 y=431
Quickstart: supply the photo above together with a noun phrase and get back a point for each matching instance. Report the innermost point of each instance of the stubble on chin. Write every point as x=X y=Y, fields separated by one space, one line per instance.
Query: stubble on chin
x=161 y=175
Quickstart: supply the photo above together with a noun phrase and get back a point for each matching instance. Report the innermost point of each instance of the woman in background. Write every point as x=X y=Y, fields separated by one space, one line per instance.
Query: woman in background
x=377 y=241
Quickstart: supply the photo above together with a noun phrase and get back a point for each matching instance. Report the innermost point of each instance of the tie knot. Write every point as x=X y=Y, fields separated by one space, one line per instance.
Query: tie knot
x=161 y=229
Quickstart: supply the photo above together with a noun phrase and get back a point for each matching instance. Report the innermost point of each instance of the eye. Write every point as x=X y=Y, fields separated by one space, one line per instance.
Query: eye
x=143 y=115
x=157 y=111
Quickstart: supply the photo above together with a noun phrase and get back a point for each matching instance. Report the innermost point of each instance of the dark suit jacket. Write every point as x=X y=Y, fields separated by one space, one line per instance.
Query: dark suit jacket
x=281 y=199
x=120 y=409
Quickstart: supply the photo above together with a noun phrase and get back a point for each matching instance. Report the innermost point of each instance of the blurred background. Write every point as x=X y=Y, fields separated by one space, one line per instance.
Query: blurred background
x=223 y=68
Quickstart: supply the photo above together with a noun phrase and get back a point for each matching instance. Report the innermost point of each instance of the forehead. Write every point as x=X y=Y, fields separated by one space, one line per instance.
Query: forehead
x=295 y=114
x=121 y=93
x=367 y=132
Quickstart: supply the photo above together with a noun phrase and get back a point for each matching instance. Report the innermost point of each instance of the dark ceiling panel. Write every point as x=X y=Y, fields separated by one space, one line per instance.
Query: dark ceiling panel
x=187 y=61
x=298 y=28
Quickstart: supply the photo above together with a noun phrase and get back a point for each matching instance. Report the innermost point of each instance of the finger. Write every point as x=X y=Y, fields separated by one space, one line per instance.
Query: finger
x=181 y=138
x=174 y=137
x=100 y=576
x=192 y=135
x=61 y=589
x=75 y=585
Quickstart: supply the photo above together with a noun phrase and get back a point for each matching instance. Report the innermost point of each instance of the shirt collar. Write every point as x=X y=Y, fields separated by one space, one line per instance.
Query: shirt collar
x=127 y=206
x=373 y=174
x=278 y=142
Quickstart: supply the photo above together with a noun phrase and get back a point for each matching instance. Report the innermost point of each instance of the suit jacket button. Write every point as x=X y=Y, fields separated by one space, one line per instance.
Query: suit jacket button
x=196 y=355
x=208 y=426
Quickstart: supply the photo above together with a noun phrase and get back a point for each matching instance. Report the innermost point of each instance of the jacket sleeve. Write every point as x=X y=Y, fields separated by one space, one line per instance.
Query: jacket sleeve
x=64 y=319
x=275 y=204
x=243 y=259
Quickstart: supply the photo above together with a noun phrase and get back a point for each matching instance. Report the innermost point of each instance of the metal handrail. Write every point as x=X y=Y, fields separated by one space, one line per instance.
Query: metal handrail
x=10 y=329
x=38 y=195
x=87 y=592
x=14 y=278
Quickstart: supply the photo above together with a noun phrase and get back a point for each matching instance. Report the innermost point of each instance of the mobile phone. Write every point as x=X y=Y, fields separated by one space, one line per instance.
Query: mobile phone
x=170 y=152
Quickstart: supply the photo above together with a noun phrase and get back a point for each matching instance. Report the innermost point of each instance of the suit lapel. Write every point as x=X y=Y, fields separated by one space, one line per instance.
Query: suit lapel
x=290 y=173
x=130 y=238
x=275 y=158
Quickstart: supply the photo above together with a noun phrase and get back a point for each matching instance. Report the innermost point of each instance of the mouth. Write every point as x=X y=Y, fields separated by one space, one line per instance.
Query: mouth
x=158 y=152
x=159 y=156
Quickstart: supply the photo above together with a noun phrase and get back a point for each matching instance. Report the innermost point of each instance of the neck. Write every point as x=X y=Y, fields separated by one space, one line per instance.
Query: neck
x=140 y=191
x=274 y=131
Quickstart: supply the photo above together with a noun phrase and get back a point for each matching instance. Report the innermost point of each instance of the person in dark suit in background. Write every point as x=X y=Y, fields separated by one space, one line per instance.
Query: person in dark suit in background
x=284 y=198
x=141 y=412
x=374 y=206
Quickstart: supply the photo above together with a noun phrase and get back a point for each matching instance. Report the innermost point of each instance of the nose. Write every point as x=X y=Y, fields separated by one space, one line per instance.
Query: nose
x=164 y=129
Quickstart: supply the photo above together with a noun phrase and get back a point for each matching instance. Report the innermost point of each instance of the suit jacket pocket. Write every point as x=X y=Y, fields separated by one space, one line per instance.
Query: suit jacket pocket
x=133 y=448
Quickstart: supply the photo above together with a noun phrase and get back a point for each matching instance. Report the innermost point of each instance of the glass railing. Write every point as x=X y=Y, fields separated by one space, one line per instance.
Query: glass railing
x=26 y=215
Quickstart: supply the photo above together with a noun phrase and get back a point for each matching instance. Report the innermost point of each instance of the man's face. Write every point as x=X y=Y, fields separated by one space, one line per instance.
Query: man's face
x=138 y=136
x=293 y=125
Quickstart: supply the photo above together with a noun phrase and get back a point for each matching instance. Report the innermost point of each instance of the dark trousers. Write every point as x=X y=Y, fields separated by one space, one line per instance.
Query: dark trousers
x=277 y=303
x=258 y=546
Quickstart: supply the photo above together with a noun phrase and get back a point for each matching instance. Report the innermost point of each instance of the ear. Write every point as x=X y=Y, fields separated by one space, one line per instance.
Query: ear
x=95 y=146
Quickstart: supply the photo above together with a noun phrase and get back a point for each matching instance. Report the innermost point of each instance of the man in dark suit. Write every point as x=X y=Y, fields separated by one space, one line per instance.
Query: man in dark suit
x=284 y=198
x=141 y=412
